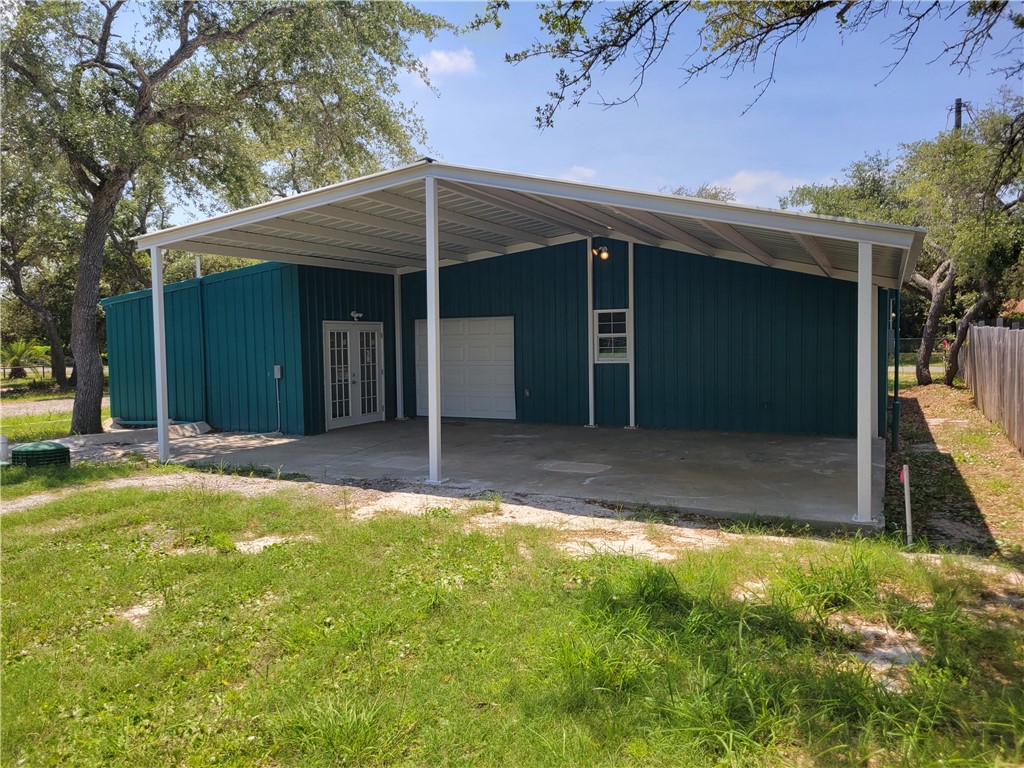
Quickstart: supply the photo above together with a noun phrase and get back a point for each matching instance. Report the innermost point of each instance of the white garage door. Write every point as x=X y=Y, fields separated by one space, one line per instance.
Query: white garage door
x=477 y=368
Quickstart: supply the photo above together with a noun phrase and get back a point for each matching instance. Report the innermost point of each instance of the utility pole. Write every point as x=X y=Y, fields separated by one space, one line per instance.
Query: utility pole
x=958 y=114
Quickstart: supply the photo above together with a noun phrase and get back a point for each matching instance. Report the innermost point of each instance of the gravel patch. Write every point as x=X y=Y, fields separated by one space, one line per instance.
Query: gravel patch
x=34 y=407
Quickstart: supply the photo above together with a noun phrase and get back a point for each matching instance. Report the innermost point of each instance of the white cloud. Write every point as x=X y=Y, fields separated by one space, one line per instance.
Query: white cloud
x=450 y=62
x=579 y=173
x=760 y=187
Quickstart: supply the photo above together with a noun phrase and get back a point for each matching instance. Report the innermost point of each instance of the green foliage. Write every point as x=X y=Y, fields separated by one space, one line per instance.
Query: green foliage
x=216 y=102
x=20 y=353
x=965 y=187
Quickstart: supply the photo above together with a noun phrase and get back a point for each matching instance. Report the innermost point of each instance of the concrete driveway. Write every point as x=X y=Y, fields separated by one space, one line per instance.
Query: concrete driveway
x=805 y=479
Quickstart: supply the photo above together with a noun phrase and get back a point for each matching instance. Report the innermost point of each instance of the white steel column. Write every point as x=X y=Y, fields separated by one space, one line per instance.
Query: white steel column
x=433 y=333
x=865 y=353
x=590 y=330
x=156 y=265
x=631 y=343
x=874 y=361
x=399 y=378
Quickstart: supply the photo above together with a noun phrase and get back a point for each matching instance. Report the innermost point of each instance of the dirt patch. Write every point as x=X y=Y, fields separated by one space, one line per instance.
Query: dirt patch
x=138 y=615
x=588 y=529
x=884 y=651
x=255 y=546
x=403 y=503
x=750 y=591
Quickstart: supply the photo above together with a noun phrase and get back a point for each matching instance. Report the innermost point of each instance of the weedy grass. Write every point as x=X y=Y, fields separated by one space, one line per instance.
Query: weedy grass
x=19 y=481
x=409 y=640
x=32 y=427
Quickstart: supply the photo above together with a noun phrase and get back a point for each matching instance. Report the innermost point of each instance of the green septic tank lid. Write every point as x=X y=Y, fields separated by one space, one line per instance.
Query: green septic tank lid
x=40 y=454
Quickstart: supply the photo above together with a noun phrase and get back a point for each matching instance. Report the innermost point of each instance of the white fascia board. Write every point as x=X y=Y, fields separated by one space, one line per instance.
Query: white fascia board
x=345 y=190
x=894 y=235
x=910 y=260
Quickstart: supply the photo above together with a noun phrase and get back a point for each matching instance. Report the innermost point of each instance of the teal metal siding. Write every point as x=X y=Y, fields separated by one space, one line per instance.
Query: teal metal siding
x=611 y=291
x=251 y=318
x=611 y=394
x=611 y=277
x=130 y=354
x=546 y=291
x=332 y=294
x=225 y=333
x=730 y=346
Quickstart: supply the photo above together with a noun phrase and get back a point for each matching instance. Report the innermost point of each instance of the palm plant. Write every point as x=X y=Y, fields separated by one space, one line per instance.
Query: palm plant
x=19 y=354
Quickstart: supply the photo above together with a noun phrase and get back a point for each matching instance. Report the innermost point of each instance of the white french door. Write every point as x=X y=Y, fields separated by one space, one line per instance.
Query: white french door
x=353 y=373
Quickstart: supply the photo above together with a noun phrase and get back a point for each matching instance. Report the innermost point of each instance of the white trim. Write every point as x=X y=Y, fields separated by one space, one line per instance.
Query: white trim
x=399 y=373
x=874 y=361
x=590 y=330
x=631 y=344
x=352 y=328
x=156 y=266
x=433 y=332
x=864 y=386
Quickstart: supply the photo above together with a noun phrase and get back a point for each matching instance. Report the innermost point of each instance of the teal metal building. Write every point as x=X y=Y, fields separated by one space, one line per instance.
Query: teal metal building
x=709 y=344
x=442 y=291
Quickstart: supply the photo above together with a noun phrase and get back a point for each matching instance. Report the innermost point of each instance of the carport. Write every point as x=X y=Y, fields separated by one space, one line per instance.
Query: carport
x=429 y=216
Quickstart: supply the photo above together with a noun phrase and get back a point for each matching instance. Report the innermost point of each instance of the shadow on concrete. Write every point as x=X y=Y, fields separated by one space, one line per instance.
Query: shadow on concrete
x=945 y=513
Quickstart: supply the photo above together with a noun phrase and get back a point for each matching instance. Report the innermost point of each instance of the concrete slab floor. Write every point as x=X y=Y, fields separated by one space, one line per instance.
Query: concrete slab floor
x=804 y=479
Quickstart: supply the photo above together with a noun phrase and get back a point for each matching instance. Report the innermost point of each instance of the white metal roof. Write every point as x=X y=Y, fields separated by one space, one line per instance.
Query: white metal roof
x=376 y=223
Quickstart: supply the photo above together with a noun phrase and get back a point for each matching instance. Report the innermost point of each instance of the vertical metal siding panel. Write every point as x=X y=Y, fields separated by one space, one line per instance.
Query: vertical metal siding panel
x=752 y=336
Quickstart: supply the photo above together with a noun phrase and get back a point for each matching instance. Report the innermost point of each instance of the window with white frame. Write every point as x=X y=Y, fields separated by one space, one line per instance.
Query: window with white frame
x=612 y=337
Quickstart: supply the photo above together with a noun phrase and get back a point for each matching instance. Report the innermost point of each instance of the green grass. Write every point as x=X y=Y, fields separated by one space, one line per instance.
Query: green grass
x=16 y=482
x=31 y=427
x=415 y=641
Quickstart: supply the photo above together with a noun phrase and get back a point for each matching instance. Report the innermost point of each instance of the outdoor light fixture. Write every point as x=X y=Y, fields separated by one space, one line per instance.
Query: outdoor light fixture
x=355 y=315
x=601 y=253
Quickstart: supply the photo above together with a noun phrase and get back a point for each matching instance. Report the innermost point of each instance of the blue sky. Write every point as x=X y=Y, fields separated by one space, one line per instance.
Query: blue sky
x=831 y=103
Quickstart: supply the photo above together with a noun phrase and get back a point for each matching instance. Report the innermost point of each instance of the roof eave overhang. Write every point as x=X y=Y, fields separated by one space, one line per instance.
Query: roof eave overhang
x=908 y=239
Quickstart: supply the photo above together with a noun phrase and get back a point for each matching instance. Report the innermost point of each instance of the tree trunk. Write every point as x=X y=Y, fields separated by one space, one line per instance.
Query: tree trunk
x=60 y=373
x=953 y=363
x=85 y=418
x=937 y=288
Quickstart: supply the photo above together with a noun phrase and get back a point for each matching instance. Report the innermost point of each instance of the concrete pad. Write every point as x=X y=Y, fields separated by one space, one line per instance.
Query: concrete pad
x=804 y=479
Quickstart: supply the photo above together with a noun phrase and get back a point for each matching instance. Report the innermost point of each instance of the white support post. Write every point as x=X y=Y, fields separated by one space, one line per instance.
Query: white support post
x=865 y=354
x=433 y=332
x=199 y=266
x=874 y=361
x=399 y=377
x=156 y=265
x=631 y=343
x=590 y=331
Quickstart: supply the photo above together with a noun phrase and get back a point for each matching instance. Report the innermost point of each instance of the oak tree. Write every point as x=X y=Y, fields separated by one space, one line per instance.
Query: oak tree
x=208 y=95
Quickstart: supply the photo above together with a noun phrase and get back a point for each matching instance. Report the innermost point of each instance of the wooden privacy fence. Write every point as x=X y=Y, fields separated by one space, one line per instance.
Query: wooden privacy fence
x=994 y=371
